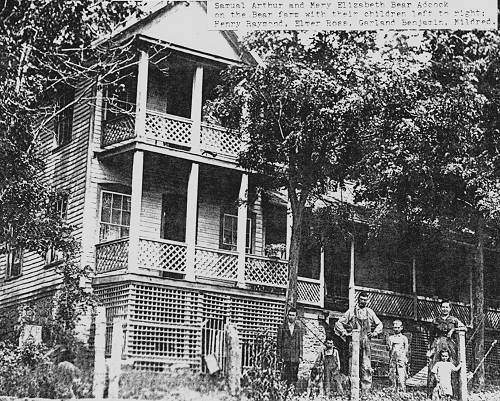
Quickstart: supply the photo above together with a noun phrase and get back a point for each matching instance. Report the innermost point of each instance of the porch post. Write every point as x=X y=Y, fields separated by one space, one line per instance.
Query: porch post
x=196 y=106
x=289 y=225
x=142 y=94
x=191 y=216
x=135 y=210
x=354 y=368
x=464 y=395
x=322 y=278
x=352 y=288
x=414 y=287
x=241 y=237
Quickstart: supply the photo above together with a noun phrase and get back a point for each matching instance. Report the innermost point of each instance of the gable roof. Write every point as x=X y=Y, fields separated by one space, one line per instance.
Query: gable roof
x=184 y=25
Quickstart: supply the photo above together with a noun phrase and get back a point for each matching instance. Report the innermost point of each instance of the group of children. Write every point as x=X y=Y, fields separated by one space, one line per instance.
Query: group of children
x=327 y=367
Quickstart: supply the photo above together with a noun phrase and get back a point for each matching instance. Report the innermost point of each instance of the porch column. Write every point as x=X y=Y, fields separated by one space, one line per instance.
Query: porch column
x=464 y=395
x=142 y=93
x=135 y=210
x=289 y=225
x=196 y=105
x=241 y=237
x=352 y=288
x=414 y=286
x=191 y=216
x=322 y=278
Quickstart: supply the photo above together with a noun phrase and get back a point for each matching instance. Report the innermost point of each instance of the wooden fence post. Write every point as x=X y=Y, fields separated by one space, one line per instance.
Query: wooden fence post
x=464 y=395
x=355 y=365
x=115 y=365
x=233 y=359
x=99 y=349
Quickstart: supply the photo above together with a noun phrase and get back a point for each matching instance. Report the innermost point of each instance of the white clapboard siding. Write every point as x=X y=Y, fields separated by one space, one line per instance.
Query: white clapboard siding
x=65 y=168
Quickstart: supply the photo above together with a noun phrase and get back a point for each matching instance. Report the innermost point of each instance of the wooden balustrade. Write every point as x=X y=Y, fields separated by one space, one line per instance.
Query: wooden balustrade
x=266 y=271
x=163 y=255
x=117 y=130
x=164 y=129
x=112 y=255
x=309 y=291
x=220 y=140
x=218 y=264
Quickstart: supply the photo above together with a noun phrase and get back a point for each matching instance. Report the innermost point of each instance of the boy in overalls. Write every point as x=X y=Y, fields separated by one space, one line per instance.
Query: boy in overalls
x=397 y=344
x=328 y=362
x=363 y=318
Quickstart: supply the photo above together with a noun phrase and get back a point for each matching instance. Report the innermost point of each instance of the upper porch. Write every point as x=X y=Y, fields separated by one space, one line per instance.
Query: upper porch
x=162 y=101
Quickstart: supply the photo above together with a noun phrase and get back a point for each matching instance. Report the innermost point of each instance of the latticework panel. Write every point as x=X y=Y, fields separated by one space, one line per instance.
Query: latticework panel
x=163 y=305
x=390 y=304
x=168 y=129
x=309 y=292
x=266 y=271
x=177 y=343
x=164 y=326
x=112 y=256
x=118 y=130
x=492 y=318
x=427 y=309
x=462 y=312
x=252 y=317
x=162 y=255
x=115 y=299
x=220 y=140
x=216 y=264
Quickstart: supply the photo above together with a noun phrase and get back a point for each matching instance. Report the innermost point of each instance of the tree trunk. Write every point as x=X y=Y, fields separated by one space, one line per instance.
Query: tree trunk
x=478 y=306
x=294 y=257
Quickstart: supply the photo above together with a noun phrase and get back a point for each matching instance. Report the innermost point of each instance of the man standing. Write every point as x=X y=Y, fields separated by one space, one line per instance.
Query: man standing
x=289 y=347
x=363 y=318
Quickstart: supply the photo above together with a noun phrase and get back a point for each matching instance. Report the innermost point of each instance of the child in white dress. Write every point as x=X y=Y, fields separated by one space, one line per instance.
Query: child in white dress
x=442 y=371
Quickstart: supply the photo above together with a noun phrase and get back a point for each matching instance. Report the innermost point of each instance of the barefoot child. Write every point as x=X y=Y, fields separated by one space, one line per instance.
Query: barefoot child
x=398 y=356
x=442 y=371
x=329 y=363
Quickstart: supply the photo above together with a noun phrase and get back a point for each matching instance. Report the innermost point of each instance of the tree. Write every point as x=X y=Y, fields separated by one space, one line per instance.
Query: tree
x=47 y=46
x=434 y=157
x=299 y=111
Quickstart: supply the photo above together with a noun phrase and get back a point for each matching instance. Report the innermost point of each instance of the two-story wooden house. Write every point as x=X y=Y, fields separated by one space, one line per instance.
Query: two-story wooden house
x=179 y=239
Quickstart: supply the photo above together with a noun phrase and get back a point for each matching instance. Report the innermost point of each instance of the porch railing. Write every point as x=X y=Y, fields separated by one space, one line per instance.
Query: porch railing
x=166 y=130
x=266 y=271
x=112 y=255
x=163 y=255
x=395 y=304
x=217 y=264
x=220 y=140
x=309 y=291
x=117 y=130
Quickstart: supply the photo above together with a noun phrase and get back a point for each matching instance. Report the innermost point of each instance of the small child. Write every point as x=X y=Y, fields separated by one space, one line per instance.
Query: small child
x=328 y=362
x=442 y=371
x=398 y=356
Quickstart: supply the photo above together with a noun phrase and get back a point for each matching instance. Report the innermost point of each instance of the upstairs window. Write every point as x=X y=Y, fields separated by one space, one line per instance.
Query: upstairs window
x=115 y=216
x=60 y=209
x=63 y=121
x=14 y=262
x=229 y=233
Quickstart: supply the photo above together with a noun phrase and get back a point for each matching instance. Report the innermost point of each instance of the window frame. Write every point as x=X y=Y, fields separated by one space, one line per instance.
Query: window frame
x=249 y=242
x=10 y=262
x=63 y=121
x=53 y=256
x=113 y=193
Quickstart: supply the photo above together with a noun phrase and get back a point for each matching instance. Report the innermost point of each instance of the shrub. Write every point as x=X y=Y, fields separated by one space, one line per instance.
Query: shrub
x=262 y=382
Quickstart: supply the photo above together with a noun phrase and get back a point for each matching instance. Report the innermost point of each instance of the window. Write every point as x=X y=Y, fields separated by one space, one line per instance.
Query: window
x=60 y=209
x=115 y=216
x=63 y=122
x=230 y=233
x=14 y=262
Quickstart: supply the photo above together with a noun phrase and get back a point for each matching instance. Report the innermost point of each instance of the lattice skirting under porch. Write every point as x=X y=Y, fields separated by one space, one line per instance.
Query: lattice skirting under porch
x=169 y=326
